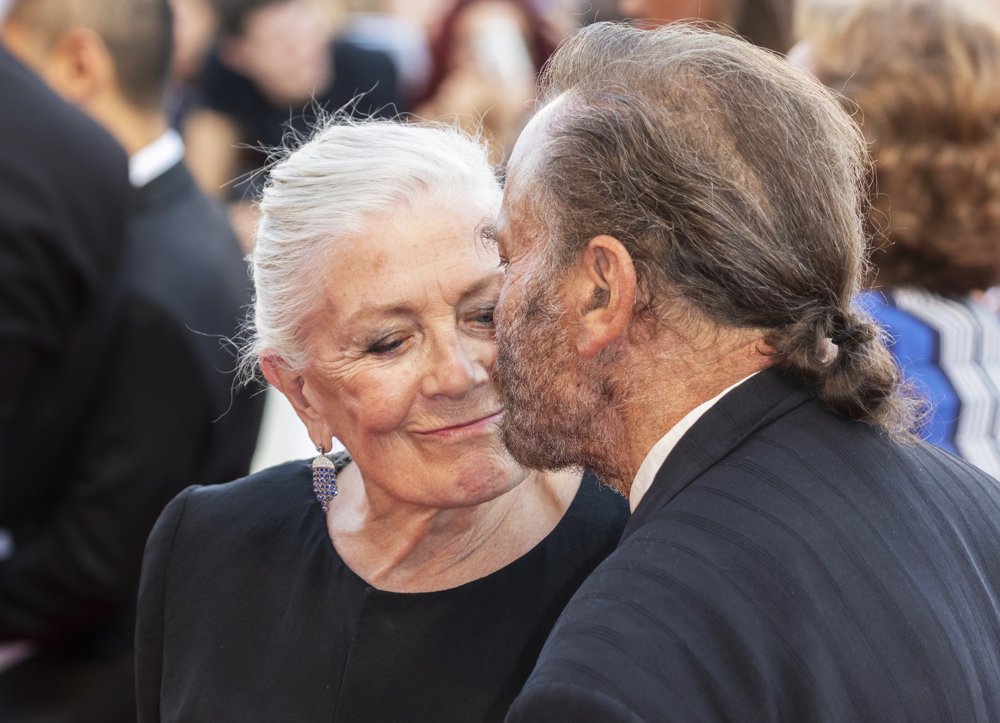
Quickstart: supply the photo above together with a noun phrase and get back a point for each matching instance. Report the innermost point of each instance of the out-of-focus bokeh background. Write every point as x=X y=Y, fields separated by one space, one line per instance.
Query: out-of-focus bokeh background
x=136 y=136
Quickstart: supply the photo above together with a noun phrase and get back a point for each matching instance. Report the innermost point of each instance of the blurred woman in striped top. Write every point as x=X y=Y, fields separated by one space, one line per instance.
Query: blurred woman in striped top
x=925 y=76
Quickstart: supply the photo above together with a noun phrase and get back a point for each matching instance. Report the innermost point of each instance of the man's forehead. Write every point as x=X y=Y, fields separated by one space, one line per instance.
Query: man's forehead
x=526 y=152
x=522 y=166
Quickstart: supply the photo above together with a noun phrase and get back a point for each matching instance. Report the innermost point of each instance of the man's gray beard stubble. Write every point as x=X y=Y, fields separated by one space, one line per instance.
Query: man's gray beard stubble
x=557 y=406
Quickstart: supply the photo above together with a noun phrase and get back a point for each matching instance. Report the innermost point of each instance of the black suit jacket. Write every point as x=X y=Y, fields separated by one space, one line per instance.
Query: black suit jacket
x=788 y=564
x=166 y=417
x=63 y=194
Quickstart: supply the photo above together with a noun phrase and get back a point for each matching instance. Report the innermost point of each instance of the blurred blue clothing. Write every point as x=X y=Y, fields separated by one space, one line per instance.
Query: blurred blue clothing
x=950 y=350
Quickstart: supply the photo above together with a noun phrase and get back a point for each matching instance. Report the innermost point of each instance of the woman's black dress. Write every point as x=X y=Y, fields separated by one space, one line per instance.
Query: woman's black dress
x=247 y=613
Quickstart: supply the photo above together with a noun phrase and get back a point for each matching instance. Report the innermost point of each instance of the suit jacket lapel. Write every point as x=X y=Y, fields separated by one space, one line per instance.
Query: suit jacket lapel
x=747 y=408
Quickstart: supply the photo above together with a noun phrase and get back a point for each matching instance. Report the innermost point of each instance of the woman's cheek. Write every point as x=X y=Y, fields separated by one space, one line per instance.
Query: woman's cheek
x=386 y=401
x=489 y=354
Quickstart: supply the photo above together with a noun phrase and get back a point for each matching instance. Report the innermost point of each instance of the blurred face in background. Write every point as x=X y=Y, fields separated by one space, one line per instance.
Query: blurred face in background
x=285 y=50
x=491 y=36
x=652 y=13
x=194 y=31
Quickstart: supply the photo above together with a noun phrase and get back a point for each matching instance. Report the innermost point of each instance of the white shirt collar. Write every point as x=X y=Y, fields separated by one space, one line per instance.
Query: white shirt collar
x=658 y=454
x=156 y=158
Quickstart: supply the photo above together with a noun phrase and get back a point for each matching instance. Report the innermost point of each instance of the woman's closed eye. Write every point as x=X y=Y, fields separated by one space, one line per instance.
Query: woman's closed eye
x=386 y=345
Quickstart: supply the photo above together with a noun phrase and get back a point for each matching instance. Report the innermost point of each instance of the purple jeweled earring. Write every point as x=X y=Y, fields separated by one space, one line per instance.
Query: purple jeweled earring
x=324 y=478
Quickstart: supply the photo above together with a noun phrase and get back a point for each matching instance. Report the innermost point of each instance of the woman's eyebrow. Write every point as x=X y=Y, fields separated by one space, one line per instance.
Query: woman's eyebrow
x=405 y=308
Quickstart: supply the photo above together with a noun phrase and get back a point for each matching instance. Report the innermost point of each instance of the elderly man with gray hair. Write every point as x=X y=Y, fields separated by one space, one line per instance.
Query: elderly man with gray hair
x=682 y=231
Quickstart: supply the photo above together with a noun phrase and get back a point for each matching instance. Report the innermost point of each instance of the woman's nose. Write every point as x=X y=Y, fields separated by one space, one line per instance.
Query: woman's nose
x=457 y=366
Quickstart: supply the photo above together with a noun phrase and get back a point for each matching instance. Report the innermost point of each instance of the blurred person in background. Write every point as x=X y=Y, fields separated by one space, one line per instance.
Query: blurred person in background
x=167 y=415
x=274 y=63
x=767 y=23
x=925 y=78
x=195 y=26
x=417 y=578
x=63 y=195
x=484 y=62
x=595 y=11
x=399 y=30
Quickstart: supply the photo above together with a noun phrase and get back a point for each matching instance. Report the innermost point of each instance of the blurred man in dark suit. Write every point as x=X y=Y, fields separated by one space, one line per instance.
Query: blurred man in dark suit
x=682 y=227
x=167 y=415
x=63 y=196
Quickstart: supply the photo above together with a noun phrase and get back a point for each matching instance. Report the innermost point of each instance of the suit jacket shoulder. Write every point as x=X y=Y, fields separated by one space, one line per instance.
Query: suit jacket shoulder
x=184 y=254
x=63 y=189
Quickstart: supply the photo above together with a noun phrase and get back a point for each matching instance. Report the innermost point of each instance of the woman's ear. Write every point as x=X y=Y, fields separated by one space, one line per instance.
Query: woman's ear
x=292 y=385
x=603 y=292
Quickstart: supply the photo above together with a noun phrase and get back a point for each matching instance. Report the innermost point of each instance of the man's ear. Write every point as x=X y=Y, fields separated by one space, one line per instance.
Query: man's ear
x=293 y=386
x=80 y=67
x=603 y=292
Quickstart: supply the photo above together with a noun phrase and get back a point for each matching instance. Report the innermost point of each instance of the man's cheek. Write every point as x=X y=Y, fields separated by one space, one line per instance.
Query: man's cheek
x=503 y=315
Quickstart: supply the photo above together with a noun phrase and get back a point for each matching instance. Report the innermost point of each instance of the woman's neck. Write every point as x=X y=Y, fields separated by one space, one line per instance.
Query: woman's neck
x=403 y=548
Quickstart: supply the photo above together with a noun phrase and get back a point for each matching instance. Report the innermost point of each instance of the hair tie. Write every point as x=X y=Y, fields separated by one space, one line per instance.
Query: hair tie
x=848 y=334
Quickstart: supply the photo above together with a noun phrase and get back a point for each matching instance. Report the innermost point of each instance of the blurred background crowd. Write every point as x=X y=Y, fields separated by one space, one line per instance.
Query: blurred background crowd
x=122 y=272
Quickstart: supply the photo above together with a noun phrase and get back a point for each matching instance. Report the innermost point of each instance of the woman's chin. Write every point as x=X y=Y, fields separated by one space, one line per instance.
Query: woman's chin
x=488 y=476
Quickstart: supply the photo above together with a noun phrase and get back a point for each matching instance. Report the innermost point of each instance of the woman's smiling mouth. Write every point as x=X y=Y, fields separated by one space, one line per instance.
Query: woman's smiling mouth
x=471 y=427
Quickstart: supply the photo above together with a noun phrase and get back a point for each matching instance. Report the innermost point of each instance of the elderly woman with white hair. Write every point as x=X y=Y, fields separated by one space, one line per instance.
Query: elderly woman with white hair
x=415 y=577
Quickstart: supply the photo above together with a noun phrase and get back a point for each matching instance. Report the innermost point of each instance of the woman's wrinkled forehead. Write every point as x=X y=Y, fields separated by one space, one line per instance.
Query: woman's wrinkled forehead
x=426 y=252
